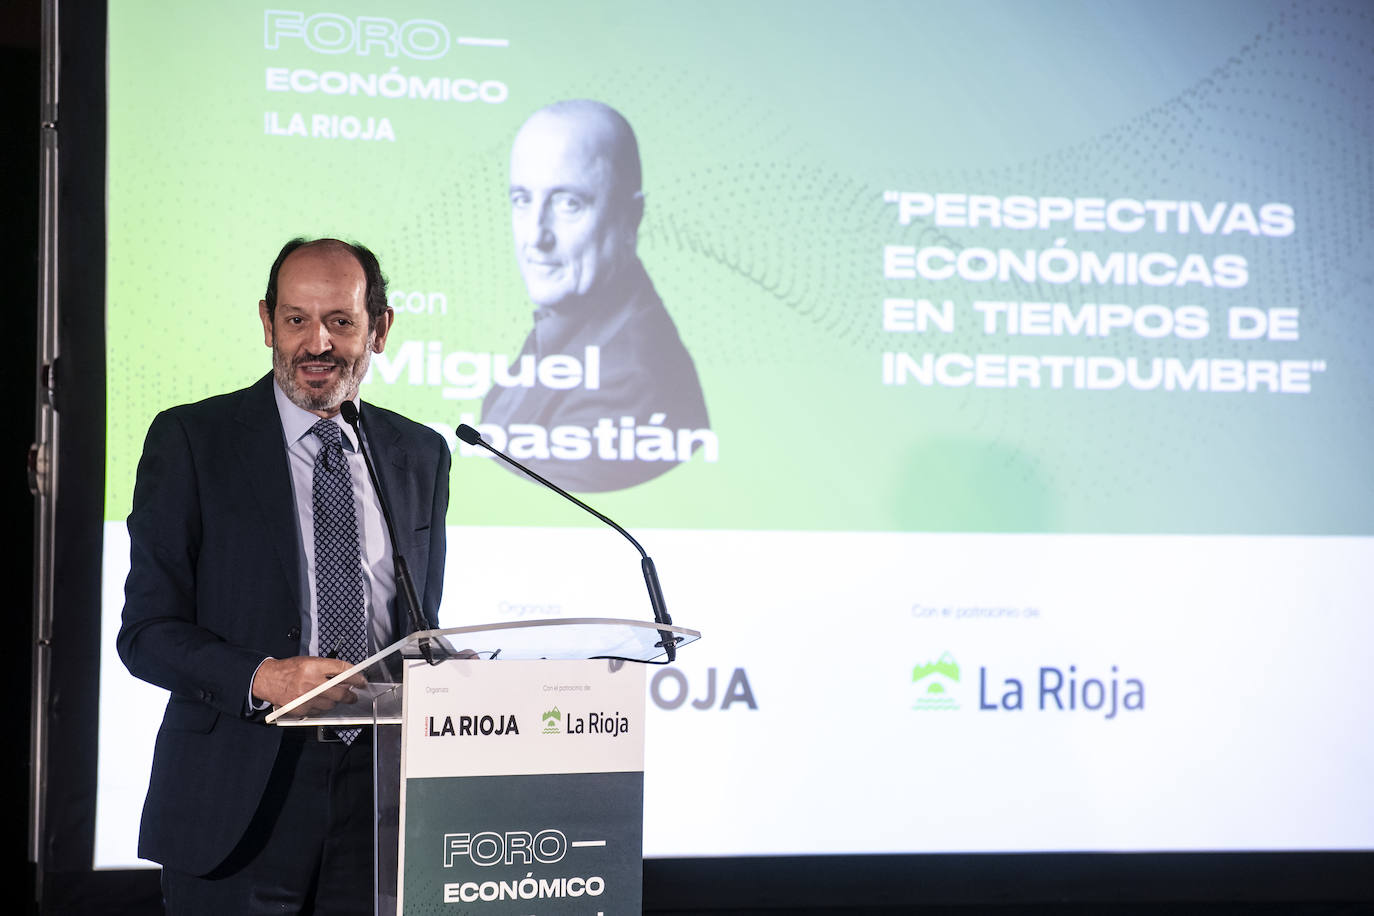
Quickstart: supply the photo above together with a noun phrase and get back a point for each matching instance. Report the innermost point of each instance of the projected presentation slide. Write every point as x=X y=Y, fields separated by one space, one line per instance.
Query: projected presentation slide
x=990 y=381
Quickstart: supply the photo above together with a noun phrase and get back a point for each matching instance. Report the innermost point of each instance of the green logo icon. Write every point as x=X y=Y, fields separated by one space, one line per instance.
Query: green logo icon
x=934 y=682
x=551 y=719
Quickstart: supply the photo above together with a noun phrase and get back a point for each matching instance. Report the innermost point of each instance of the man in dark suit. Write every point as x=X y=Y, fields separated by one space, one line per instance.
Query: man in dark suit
x=232 y=605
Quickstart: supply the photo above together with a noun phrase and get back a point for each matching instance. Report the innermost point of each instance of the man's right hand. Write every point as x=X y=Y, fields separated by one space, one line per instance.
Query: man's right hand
x=280 y=680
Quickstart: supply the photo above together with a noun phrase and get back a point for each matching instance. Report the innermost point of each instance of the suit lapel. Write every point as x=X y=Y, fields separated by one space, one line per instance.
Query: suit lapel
x=262 y=456
x=392 y=463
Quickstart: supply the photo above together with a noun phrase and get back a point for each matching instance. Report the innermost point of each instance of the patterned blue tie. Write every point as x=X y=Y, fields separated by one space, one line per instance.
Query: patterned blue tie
x=338 y=573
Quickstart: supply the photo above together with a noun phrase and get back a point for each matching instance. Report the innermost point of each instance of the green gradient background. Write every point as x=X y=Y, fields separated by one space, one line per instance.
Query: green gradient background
x=769 y=132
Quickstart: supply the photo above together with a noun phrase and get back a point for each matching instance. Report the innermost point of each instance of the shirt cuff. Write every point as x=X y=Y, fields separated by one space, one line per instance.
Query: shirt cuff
x=254 y=705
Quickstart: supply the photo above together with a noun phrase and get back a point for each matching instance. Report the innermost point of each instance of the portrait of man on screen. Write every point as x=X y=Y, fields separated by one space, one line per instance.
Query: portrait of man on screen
x=607 y=382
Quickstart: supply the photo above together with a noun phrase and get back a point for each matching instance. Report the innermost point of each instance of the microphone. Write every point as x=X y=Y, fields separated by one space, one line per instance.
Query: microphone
x=646 y=563
x=404 y=583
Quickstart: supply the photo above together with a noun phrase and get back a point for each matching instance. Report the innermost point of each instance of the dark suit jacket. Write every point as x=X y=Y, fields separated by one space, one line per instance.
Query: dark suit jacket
x=214 y=588
x=645 y=370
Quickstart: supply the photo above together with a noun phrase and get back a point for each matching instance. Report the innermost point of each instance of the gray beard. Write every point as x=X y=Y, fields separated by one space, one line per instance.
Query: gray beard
x=344 y=388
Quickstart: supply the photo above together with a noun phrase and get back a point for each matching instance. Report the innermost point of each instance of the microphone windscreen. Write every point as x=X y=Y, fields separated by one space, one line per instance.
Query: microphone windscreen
x=468 y=434
x=350 y=412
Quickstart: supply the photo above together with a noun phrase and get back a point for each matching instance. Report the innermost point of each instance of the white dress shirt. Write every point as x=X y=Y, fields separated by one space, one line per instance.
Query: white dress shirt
x=379 y=582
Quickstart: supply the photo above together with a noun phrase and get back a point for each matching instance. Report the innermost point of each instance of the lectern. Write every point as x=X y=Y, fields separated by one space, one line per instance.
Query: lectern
x=514 y=787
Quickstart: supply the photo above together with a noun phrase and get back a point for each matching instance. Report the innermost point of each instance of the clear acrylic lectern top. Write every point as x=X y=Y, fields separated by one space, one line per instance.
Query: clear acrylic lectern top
x=374 y=680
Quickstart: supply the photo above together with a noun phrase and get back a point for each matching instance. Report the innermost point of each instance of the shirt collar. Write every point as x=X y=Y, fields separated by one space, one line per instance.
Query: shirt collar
x=296 y=421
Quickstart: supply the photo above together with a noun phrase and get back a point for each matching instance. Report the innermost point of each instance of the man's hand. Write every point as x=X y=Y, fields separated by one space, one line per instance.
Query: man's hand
x=281 y=680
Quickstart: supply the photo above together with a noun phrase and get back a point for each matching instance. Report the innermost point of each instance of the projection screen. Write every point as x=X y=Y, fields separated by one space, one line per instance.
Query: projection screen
x=1029 y=507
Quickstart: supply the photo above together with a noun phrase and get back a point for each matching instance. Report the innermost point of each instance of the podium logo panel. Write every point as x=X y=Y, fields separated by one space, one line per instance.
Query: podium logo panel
x=506 y=715
x=524 y=844
x=523 y=788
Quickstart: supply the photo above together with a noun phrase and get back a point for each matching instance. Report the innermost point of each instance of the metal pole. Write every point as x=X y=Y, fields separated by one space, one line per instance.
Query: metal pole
x=43 y=452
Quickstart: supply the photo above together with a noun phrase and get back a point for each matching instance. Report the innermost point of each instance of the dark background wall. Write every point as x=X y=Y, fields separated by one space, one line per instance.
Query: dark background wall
x=19 y=103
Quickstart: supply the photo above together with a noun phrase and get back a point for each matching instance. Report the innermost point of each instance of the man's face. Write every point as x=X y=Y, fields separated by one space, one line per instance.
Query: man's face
x=320 y=340
x=573 y=231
